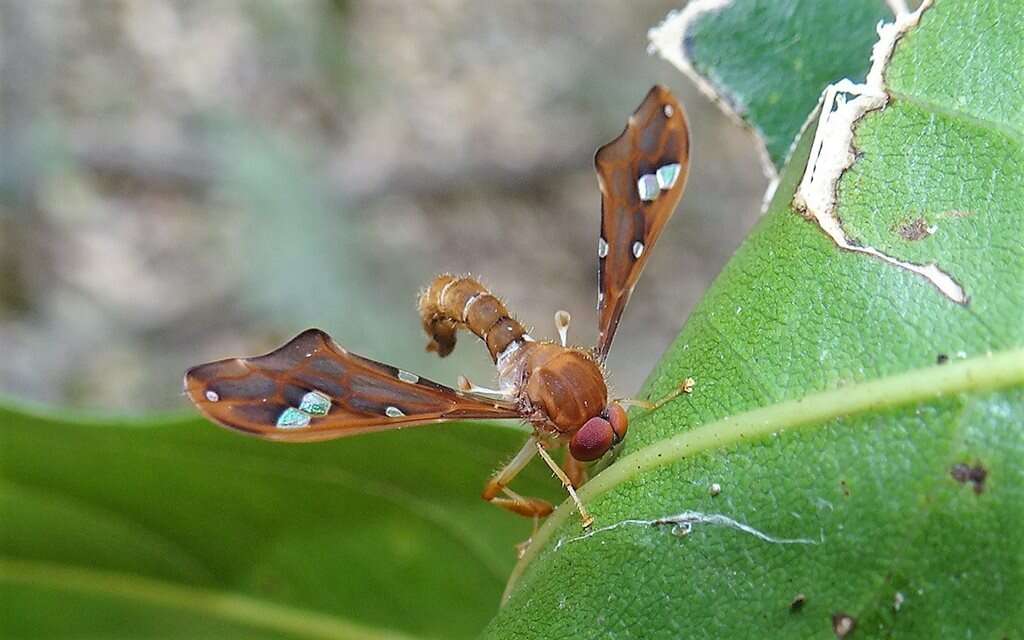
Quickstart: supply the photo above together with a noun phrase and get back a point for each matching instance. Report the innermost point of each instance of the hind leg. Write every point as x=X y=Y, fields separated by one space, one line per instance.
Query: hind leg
x=496 y=491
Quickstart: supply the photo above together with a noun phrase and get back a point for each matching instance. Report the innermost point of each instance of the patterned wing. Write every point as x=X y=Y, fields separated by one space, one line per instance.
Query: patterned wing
x=313 y=389
x=641 y=174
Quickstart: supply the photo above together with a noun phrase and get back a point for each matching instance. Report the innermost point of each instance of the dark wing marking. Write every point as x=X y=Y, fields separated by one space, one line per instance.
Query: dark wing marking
x=656 y=138
x=313 y=389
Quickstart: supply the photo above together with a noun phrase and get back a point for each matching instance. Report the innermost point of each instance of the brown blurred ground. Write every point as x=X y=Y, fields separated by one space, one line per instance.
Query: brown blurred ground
x=182 y=181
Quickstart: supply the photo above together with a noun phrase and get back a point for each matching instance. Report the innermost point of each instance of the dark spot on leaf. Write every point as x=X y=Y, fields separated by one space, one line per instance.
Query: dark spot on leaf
x=976 y=475
x=843 y=624
x=845 y=487
x=913 y=230
x=942 y=359
x=798 y=603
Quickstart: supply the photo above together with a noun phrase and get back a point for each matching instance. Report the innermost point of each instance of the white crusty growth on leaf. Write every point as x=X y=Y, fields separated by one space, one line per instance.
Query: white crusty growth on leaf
x=843 y=104
x=682 y=524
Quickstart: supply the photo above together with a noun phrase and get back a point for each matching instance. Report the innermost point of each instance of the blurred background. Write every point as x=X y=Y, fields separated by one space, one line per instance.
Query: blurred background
x=182 y=181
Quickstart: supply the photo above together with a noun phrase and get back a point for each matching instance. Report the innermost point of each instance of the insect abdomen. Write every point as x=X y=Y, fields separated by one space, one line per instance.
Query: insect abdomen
x=453 y=301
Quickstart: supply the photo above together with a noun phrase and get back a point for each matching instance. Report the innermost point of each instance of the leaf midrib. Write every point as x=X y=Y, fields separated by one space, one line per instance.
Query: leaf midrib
x=244 y=610
x=987 y=373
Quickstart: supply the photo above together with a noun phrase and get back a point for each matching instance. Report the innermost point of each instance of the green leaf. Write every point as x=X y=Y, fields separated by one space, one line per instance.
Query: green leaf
x=181 y=529
x=865 y=428
x=767 y=61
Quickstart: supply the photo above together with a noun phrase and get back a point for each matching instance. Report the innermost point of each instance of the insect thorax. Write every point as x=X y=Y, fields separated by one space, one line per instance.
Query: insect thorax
x=557 y=388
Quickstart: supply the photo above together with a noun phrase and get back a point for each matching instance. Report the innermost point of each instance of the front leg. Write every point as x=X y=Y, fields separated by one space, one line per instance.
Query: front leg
x=585 y=516
x=576 y=470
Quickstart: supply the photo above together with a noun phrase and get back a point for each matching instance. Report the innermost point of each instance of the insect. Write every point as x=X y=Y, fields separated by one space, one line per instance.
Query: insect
x=313 y=389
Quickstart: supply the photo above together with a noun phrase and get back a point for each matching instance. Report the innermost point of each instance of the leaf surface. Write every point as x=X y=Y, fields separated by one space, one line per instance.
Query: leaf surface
x=176 y=528
x=864 y=428
x=767 y=61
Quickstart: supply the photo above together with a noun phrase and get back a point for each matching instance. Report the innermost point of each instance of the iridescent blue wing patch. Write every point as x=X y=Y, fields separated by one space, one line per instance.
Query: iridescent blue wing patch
x=313 y=389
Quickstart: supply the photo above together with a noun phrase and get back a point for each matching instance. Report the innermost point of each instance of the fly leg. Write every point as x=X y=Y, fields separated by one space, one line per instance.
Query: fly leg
x=510 y=500
x=465 y=385
x=576 y=470
x=686 y=386
x=525 y=544
x=567 y=483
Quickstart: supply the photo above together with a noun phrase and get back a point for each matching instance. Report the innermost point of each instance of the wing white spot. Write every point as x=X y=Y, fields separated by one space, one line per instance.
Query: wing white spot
x=393 y=412
x=212 y=396
x=647 y=187
x=315 y=404
x=668 y=110
x=667 y=175
x=638 y=249
x=405 y=376
x=602 y=248
x=292 y=418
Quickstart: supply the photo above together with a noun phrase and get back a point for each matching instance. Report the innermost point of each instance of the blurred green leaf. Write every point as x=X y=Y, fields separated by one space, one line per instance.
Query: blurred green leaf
x=855 y=471
x=843 y=404
x=179 y=529
x=769 y=60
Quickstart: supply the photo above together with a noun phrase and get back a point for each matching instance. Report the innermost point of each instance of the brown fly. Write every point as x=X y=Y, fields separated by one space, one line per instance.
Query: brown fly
x=313 y=389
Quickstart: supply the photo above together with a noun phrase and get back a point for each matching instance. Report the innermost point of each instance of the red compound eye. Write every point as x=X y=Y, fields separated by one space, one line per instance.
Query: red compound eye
x=593 y=440
x=619 y=420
